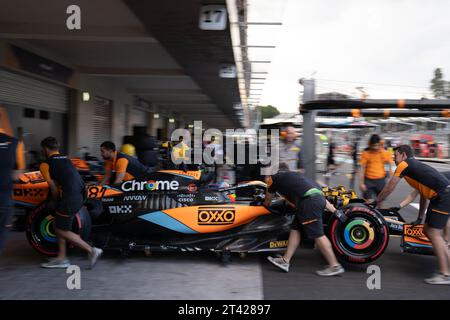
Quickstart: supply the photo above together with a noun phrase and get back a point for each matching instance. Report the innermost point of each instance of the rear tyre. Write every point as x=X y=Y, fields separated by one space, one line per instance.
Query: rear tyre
x=362 y=238
x=41 y=233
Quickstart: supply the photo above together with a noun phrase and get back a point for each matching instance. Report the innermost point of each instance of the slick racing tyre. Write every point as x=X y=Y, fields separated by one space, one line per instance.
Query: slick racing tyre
x=363 y=236
x=41 y=233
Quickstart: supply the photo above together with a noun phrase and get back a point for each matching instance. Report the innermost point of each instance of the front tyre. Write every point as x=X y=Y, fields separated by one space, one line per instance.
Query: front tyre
x=41 y=233
x=362 y=238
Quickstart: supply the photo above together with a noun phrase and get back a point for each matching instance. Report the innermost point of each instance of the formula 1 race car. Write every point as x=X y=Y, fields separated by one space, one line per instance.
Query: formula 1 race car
x=177 y=210
x=171 y=211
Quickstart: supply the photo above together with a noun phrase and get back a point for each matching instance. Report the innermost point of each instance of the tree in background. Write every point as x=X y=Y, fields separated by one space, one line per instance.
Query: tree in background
x=268 y=111
x=440 y=87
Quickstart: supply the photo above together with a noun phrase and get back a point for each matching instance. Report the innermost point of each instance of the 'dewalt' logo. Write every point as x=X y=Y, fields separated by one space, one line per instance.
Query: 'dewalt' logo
x=278 y=244
x=216 y=215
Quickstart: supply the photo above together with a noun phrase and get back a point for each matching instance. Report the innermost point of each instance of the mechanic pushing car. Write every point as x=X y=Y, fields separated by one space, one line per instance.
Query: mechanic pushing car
x=67 y=190
x=433 y=186
x=11 y=157
x=310 y=202
x=410 y=198
x=124 y=166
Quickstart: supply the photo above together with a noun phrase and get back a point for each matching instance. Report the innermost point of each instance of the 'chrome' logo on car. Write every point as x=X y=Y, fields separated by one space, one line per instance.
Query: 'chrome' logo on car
x=216 y=215
x=151 y=185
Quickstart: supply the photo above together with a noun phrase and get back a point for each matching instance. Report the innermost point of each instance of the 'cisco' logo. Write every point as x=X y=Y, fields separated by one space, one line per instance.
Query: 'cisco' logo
x=151 y=185
x=216 y=215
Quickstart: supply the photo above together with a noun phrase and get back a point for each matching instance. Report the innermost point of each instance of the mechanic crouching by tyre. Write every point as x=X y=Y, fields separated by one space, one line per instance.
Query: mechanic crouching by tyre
x=310 y=202
x=124 y=166
x=67 y=190
x=433 y=186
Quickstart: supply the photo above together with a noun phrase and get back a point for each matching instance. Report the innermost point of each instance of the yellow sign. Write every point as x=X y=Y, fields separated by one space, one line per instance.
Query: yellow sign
x=278 y=244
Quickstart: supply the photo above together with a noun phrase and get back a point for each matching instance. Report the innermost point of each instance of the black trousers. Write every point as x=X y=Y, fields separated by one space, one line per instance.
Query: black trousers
x=6 y=211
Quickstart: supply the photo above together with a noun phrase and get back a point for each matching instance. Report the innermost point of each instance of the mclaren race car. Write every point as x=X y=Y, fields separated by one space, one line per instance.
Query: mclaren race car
x=175 y=210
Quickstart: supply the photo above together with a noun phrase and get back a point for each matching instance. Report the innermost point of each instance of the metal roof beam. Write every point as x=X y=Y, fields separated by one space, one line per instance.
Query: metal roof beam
x=382 y=113
x=375 y=104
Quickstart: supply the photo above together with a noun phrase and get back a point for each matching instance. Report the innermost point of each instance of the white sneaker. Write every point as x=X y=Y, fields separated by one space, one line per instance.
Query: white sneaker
x=94 y=256
x=280 y=263
x=438 y=278
x=56 y=264
x=331 y=271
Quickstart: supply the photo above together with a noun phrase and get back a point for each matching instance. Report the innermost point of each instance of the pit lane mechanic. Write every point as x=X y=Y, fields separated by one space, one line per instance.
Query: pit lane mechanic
x=124 y=166
x=11 y=157
x=372 y=173
x=67 y=189
x=410 y=198
x=432 y=186
x=310 y=203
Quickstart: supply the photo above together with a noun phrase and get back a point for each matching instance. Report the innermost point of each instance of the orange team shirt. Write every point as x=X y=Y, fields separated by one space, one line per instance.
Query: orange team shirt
x=374 y=162
x=119 y=166
x=428 y=187
x=44 y=168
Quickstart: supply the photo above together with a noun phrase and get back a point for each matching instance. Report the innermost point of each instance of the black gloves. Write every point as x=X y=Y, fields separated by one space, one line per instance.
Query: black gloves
x=371 y=203
x=394 y=209
x=340 y=215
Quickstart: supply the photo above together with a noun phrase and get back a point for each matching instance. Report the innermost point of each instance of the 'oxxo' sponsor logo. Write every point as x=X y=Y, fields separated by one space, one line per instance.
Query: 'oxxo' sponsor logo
x=151 y=185
x=216 y=215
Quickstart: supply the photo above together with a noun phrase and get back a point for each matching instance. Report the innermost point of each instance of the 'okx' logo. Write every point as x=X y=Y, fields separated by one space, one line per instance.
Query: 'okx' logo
x=216 y=215
x=151 y=185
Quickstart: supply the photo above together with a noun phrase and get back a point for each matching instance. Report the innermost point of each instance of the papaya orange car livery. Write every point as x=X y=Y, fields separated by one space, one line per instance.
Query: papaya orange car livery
x=195 y=175
x=207 y=219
